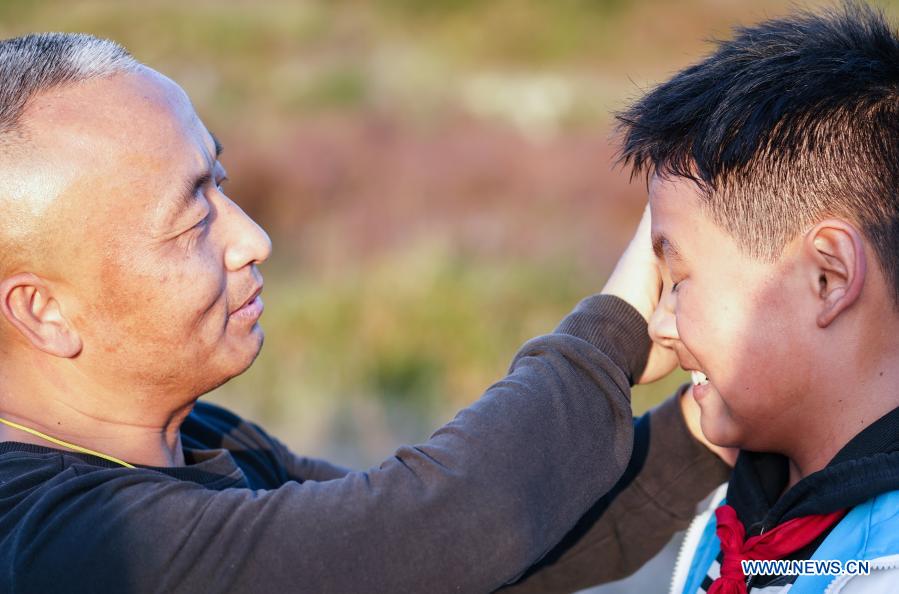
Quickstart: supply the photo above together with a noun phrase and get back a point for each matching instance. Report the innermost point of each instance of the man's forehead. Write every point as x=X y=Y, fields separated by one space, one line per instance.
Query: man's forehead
x=132 y=110
x=126 y=138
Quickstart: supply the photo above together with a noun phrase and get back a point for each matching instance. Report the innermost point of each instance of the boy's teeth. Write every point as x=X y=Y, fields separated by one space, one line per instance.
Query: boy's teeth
x=699 y=378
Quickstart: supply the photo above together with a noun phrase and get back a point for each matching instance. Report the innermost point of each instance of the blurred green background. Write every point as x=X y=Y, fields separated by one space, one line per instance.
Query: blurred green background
x=436 y=175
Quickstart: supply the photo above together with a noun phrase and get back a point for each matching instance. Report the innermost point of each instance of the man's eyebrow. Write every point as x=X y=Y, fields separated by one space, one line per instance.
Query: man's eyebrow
x=662 y=247
x=188 y=191
x=185 y=196
x=218 y=145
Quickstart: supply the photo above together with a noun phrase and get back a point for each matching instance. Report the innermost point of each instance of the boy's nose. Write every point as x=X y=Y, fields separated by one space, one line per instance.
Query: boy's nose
x=662 y=325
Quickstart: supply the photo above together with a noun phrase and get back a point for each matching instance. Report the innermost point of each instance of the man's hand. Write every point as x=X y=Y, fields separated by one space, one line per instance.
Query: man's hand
x=638 y=280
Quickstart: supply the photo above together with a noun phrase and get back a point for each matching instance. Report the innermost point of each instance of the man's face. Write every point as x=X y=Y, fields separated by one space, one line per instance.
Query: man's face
x=149 y=259
x=736 y=319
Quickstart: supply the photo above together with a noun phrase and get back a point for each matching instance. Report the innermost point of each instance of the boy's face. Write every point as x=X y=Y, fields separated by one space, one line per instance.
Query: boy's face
x=736 y=319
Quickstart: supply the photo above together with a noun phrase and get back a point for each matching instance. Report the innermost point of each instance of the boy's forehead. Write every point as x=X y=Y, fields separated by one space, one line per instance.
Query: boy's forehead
x=677 y=217
x=667 y=202
x=682 y=192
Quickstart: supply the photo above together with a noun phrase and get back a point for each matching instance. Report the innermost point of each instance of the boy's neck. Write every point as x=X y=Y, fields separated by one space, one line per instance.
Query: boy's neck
x=840 y=417
x=796 y=475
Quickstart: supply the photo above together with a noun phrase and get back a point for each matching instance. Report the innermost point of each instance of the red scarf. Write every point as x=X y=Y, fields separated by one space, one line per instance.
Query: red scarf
x=778 y=542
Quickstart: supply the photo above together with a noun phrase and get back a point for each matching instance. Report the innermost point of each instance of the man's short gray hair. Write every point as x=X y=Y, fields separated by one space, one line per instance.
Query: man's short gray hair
x=36 y=63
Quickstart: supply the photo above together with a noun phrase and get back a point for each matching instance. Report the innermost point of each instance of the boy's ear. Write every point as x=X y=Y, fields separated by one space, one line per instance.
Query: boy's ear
x=28 y=304
x=839 y=266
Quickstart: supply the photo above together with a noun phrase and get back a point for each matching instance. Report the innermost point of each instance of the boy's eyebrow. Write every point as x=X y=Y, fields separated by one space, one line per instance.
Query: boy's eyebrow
x=663 y=247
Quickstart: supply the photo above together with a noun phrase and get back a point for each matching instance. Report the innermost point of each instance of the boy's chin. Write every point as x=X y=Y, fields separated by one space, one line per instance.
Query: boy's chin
x=719 y=435
x=715 y=422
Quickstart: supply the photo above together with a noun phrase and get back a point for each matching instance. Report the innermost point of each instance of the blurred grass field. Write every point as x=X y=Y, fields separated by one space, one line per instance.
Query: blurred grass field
x=437 y=177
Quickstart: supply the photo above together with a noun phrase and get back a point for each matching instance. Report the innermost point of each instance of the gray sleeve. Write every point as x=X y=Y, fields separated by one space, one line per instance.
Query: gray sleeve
x=302 y=468
x=656 y=497
x=466 y=511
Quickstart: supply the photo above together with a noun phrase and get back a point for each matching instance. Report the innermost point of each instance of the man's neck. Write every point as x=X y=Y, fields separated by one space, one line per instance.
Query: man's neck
x=124 y=428
x=135 y=445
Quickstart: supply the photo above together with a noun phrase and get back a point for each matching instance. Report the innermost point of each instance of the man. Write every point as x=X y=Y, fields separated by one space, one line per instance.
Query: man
x=129 y=287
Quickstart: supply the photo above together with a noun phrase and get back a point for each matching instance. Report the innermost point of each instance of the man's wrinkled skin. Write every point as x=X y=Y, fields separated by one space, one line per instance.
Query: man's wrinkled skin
x=118 y=291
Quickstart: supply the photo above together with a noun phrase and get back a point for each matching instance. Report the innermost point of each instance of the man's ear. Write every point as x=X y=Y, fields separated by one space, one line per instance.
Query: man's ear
x=839 y=266
x=28 y=304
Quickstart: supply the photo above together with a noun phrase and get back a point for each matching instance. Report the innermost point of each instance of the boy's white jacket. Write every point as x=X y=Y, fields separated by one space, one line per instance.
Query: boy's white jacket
x=870 y=532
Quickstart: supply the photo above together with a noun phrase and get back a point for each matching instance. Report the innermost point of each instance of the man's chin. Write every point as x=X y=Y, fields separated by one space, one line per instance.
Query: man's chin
x=260 y=340
x=243 y=359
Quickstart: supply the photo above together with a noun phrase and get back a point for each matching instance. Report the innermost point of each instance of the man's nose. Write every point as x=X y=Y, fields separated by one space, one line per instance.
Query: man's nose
x=247 y=243
x=662 y=323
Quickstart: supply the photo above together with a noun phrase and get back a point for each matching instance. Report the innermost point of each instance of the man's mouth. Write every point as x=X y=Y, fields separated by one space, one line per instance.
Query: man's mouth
x=249 y=299
x=699 y=378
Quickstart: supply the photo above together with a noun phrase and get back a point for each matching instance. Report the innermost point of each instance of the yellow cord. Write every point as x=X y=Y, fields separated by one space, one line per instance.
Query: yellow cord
x=64 y=444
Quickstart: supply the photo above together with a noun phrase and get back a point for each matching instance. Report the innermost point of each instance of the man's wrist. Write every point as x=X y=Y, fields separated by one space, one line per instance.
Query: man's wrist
x=613 y=326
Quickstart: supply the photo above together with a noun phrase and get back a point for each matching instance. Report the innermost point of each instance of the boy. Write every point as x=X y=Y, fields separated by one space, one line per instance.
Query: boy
x=773 y=170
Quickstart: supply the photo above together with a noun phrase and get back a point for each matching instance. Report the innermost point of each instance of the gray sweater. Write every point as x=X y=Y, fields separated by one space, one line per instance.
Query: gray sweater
x=494 y=492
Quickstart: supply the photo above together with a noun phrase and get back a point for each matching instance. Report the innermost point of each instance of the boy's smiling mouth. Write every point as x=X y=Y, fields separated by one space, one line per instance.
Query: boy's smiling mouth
x=701 y=384
x=699 y=378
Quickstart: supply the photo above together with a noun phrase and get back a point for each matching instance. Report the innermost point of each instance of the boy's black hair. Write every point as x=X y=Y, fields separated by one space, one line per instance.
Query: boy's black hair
x=792 y=120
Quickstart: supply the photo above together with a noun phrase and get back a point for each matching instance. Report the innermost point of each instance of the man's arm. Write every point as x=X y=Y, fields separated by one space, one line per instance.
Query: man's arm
x=669 y=474
x=467 y=511
x=670 y=471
